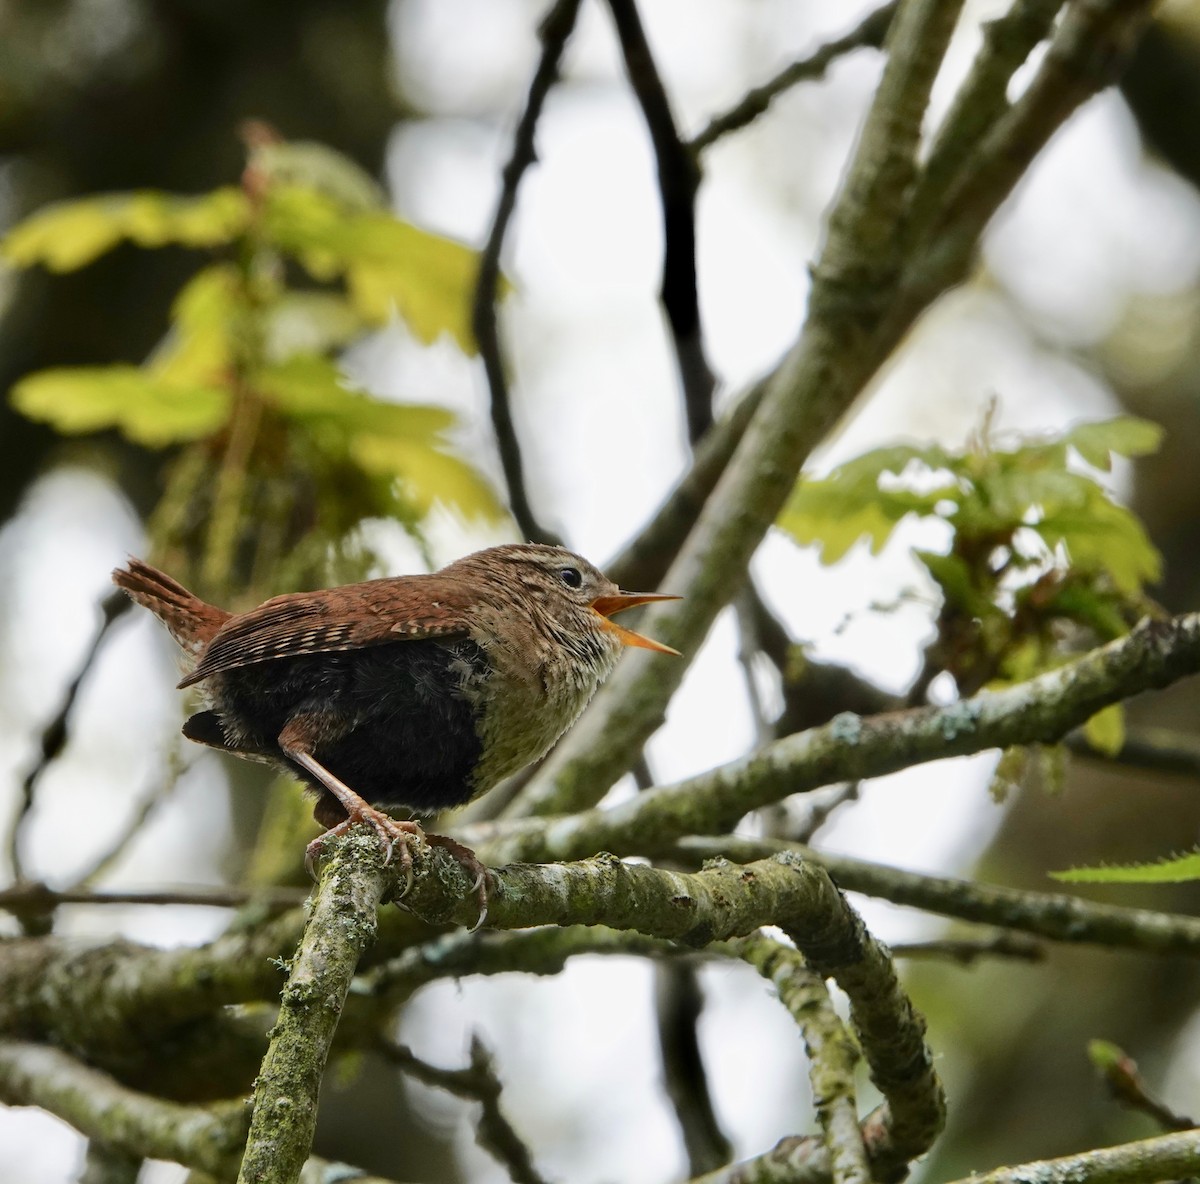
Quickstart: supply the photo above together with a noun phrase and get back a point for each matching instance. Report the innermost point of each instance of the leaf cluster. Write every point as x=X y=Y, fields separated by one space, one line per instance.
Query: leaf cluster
x=274 y=459
x=1040 y=560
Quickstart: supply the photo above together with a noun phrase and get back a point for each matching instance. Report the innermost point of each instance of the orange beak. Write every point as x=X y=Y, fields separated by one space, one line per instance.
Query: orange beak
x=607 y=606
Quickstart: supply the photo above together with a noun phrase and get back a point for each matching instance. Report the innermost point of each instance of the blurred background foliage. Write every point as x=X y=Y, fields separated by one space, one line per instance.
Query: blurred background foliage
x=198 y=322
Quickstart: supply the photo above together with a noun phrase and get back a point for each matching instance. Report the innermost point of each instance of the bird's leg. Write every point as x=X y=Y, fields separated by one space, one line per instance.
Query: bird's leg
x=389 y=829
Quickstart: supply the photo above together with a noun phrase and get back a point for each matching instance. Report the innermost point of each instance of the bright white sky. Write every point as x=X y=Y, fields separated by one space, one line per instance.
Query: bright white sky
x=1095 y=225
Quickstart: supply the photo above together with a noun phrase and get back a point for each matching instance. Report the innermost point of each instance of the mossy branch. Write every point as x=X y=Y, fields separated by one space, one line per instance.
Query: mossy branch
x=831 y=1051
x=208 y=1138
x=341 y=924
x=1041 y=710
x=1167 y=1157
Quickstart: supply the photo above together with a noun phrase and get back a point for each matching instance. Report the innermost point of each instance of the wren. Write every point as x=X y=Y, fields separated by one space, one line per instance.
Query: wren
x=421 y=691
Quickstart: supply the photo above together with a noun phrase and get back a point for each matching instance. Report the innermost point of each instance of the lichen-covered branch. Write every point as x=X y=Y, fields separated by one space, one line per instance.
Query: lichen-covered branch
x=725 y=900
x=982 y=99
x=832 y=1053
x=1051 y=915
x=341 y=924
x=205 y=1137
x=1041 y=710
x=1167 y=1157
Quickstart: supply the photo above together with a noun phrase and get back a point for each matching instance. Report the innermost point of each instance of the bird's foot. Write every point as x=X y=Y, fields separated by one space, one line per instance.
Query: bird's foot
x=390 y=830
x=473 y=864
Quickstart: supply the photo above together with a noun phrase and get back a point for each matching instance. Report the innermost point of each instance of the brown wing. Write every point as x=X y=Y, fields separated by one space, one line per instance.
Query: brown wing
x=405 y=608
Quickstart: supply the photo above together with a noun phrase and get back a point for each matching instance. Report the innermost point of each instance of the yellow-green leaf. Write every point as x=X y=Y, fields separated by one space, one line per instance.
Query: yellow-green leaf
x=1105 y=731
x=429 y=475
x=1126 y=435
x=142 y=407
x=426 y=279
x=198 y=345
x=312 y=389
x=68 y=235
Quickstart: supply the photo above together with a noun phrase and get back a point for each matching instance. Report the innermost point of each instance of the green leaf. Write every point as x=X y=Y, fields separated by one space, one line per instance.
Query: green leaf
x=197 y=347
x=834 y=513
x=1173 y=870
x=1105 y=731
x=144 y=408
x=312 y=390
x=1012 y=494
x=391 y=267
x=426 y=279
x=428 y=475
x=1102 y=536
x=1125 y=435
x=68 y=235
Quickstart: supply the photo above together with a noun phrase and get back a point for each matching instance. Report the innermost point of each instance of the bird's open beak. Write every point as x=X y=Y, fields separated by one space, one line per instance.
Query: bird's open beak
x=606 y=606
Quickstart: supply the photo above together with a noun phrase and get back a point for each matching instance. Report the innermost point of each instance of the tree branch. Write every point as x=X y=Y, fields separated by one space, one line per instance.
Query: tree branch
x=868 y=34
x=554 y=31
x=1050 y=915
x=832 y=1053
x=341 y=924
x=1167 y=1157
x=205 y=1137
x=850 y=747
x=678 y=181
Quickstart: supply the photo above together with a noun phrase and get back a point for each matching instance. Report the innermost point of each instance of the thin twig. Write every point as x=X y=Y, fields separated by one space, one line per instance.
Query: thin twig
x=678 y=181
x=55 y=733
x=1126 y=1084
x=554 y=31
x=478 y=1082
x=32 y=898
x=968 y=950
x=868 y=34
x=819 y=812
x=747 y=606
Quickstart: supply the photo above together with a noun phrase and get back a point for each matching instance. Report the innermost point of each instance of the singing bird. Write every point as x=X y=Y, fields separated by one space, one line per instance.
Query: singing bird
x=421 y=691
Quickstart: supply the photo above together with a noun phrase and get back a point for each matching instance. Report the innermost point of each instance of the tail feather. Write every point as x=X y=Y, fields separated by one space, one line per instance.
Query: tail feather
x=190 y=621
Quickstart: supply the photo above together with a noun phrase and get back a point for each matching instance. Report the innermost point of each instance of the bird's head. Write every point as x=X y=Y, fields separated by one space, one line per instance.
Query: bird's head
x=565 y=590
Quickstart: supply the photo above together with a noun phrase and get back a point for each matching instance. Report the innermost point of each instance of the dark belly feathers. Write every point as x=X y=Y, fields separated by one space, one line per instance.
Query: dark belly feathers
x=391 y=721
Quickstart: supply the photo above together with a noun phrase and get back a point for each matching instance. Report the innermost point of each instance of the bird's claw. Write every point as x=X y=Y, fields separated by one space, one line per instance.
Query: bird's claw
x=390 y=833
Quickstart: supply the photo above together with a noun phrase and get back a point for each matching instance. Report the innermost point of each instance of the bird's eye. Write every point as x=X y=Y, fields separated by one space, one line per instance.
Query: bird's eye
x=571 y=576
